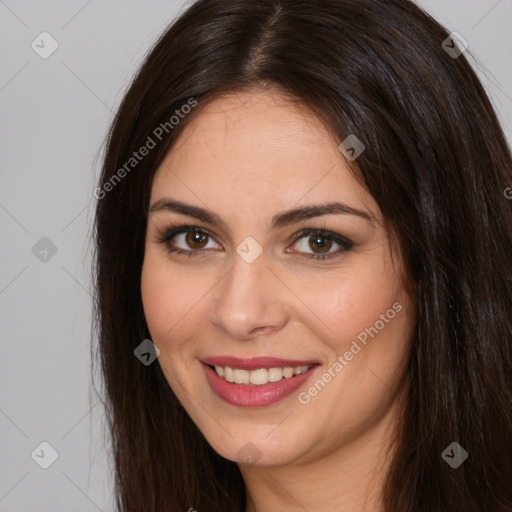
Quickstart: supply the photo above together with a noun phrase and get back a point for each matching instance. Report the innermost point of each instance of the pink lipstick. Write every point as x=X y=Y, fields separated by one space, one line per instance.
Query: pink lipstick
x=256 y=382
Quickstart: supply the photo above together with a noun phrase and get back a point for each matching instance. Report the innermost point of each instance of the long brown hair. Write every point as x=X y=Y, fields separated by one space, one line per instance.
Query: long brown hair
x=436 y=162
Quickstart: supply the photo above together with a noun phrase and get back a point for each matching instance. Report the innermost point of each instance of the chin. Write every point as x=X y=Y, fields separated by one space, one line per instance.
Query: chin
x=255 y=447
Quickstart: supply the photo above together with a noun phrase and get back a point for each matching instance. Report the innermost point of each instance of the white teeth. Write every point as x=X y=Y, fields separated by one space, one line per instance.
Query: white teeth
x=241 y=376
x=260 y=376
x=288 y=372
x=275 y=374
x=228 y=374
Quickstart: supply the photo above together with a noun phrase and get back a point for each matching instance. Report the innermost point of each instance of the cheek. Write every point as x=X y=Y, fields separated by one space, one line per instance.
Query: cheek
x=352 y=303
x=166 y=300
x=155 y=299
x=369 y=336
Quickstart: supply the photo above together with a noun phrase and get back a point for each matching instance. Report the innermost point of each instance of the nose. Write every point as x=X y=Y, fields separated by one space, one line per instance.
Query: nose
x=249 y=301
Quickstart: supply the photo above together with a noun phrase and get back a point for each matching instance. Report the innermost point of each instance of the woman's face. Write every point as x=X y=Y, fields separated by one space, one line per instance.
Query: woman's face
x=255 y=172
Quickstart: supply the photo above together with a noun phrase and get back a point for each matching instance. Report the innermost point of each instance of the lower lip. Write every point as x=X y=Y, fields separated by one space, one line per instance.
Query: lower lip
x=243 y=395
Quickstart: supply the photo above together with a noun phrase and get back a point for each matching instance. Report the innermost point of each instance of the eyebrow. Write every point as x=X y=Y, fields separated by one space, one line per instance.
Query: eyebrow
x=279 y=220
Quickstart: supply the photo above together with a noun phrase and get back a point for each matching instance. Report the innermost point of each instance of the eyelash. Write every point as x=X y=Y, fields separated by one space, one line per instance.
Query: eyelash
x=169 y=233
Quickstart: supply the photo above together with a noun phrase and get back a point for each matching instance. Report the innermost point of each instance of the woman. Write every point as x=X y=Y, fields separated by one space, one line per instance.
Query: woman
x=304 y=266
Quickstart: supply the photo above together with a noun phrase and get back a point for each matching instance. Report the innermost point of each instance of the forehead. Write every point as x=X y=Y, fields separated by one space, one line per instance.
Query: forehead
x=260 y=145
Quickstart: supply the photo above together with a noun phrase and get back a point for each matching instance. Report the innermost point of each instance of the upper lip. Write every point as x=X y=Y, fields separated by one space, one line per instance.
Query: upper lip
x=255 y=363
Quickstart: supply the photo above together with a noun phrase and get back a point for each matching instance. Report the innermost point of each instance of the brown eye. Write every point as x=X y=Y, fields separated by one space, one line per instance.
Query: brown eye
x=187 y=240
x=317 y=244
x=311 y=243
x=196 y=239
x=320 y=242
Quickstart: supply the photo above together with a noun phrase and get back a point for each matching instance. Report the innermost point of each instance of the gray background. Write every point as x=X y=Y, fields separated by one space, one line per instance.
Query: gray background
x=54 y=115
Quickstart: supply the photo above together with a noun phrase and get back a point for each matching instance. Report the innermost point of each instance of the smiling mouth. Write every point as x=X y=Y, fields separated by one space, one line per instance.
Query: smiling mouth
x=260 y=376
x=257 y=381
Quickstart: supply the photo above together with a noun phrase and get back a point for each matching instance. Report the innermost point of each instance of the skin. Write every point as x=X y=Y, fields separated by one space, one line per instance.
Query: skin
x=247 y=157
